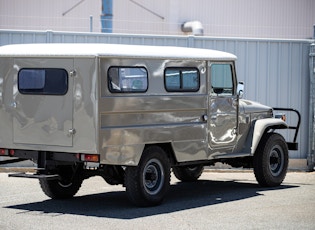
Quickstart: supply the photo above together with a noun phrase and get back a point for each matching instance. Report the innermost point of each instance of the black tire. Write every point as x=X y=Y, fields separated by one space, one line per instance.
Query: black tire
x=65 y=188
x=271 y=160
x=147 y=184
x=188 y=173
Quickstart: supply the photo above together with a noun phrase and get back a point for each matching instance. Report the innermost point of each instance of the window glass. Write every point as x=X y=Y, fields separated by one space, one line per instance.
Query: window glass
x=127 y=79
x=221 y=79
x=182 y=79
x=43 y=81
x=172 y=79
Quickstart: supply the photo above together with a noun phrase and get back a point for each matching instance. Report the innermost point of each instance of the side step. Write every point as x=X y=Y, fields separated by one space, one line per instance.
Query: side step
x=10 y=161
x=36 y=176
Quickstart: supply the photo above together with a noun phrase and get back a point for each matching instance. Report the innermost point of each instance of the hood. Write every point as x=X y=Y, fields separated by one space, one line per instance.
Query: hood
x=253 y=107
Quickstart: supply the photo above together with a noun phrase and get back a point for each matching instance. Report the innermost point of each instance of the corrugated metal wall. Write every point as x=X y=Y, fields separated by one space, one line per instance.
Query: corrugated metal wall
x=275 y=72
x=70 y=15
x=224 y=18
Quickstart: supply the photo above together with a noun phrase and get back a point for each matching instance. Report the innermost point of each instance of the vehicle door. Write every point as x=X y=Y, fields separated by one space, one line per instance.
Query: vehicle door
x=223 y=107
x=42 y=104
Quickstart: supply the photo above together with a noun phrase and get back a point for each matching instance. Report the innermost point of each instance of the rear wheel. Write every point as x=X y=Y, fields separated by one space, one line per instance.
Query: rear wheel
x=64 y=188
x=271 y=160
x=188 y=173
x=147 y=184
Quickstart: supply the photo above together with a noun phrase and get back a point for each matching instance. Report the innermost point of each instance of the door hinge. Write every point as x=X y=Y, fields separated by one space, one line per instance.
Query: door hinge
x=73 y=73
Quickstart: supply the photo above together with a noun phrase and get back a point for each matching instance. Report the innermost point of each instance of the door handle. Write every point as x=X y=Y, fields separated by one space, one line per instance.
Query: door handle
x=13 y=105
x=71 y=132
x=204 y=117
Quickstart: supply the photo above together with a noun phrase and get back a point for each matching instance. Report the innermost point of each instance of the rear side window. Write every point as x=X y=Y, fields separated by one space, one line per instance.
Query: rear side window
x=181 y=79
x=127 y=79
x=49 y=81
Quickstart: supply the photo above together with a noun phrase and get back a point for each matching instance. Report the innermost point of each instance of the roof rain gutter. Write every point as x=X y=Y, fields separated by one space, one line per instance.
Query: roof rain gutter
x=194 y=27
x=107 y=16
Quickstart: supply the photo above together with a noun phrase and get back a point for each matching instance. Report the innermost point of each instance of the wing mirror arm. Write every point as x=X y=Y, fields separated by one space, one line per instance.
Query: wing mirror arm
x=240 y=89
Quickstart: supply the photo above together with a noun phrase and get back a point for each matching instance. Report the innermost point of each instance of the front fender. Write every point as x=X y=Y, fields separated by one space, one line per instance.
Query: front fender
x=261 y=126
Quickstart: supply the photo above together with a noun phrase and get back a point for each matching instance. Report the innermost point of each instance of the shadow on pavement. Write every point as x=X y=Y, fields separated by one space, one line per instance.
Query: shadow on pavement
x=181 y=196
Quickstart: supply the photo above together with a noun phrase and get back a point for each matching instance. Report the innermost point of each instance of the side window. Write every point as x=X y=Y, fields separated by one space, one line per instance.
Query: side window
x=43 y=81
x=221 y=79
x=182 y=79
x=127 y=79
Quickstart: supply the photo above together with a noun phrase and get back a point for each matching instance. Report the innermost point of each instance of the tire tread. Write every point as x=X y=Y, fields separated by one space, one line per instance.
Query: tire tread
x=260 y=160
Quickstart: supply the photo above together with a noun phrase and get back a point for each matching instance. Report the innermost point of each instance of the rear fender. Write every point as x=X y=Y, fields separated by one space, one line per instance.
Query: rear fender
x=263 y=125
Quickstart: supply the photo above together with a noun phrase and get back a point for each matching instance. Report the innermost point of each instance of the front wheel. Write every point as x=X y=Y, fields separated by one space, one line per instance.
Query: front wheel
x=271 y=160
x=147 y=184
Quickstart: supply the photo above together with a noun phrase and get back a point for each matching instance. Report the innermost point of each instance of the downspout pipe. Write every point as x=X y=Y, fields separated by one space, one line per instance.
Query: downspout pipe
x=194 y=27
x=311 y=150
x=107 y=16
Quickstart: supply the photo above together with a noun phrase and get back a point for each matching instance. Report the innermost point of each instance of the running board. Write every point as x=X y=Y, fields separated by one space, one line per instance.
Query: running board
x=10 y=161
x=36 y=176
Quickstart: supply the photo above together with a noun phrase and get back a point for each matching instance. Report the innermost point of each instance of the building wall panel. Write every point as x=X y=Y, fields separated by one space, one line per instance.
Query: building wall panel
x=290 y=19
x=275 y=72
x=244 y=18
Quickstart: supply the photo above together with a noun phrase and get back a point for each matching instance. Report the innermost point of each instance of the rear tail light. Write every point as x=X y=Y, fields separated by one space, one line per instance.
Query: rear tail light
x=11 y=152
x=3 y=152
x=90 y=157
x=6 y=152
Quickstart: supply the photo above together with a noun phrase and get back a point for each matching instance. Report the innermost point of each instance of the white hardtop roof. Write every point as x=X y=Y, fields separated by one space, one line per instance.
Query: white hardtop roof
x=111 y=50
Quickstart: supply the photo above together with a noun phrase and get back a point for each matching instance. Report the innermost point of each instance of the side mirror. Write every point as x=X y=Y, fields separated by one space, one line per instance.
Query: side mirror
x=240 y=89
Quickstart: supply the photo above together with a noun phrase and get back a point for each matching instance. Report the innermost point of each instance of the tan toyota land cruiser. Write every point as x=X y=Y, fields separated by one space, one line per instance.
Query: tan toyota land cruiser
x=132 y=114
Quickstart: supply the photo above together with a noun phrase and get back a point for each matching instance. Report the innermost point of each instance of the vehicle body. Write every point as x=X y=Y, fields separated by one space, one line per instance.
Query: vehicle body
x=135 y=111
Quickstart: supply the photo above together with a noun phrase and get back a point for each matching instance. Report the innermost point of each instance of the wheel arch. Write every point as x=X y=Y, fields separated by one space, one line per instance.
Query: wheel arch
x=262 y=126
x=168 y=148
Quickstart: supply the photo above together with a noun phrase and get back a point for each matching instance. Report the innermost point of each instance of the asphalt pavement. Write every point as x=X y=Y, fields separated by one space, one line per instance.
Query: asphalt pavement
x=219 y=200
